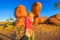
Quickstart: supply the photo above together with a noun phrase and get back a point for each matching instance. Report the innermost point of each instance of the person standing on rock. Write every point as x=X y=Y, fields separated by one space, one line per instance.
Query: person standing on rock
x=29 y=30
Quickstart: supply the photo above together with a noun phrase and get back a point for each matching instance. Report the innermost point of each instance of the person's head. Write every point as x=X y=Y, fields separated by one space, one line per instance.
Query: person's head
x=20 y=11
x=31 y=15
x=36 y=8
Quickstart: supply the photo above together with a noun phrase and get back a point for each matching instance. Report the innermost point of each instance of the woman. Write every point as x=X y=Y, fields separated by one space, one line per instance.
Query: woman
x=29 y=30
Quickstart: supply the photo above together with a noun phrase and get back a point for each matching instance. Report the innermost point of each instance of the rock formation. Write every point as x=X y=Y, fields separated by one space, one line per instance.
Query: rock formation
x=55 y=19
x=36 y=8
x=39 y=20
x=43 y=19
x=20 y=13
x=36 y=20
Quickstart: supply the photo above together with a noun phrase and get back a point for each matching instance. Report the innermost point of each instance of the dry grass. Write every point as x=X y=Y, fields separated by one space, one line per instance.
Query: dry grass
x=47 y=32
x=42 y=32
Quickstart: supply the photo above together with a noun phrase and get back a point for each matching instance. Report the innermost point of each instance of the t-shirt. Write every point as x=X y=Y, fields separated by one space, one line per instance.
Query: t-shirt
x=28 y=23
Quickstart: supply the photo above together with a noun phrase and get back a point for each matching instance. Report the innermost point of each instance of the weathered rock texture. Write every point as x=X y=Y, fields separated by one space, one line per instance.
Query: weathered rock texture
x=40 y=20
x=20 y=13
x=36 y=8
x=43 y=19
x=55 y=19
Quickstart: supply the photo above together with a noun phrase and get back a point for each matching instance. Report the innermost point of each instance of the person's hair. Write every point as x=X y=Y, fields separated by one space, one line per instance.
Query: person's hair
x=30 y=13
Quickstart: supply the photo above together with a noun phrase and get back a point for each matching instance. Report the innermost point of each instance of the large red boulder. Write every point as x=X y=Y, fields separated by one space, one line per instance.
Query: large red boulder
x=43 y=19
x=55 y=19
x=36 y=20
x=39 y=20
x=36 y=8
x=20 y=13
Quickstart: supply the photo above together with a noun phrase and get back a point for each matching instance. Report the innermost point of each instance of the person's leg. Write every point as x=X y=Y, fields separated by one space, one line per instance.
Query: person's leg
x=29 y=38
x=24 y=38
x=32 y=36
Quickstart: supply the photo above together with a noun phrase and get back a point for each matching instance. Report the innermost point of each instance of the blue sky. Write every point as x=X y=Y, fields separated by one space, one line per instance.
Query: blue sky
x=7 y=7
